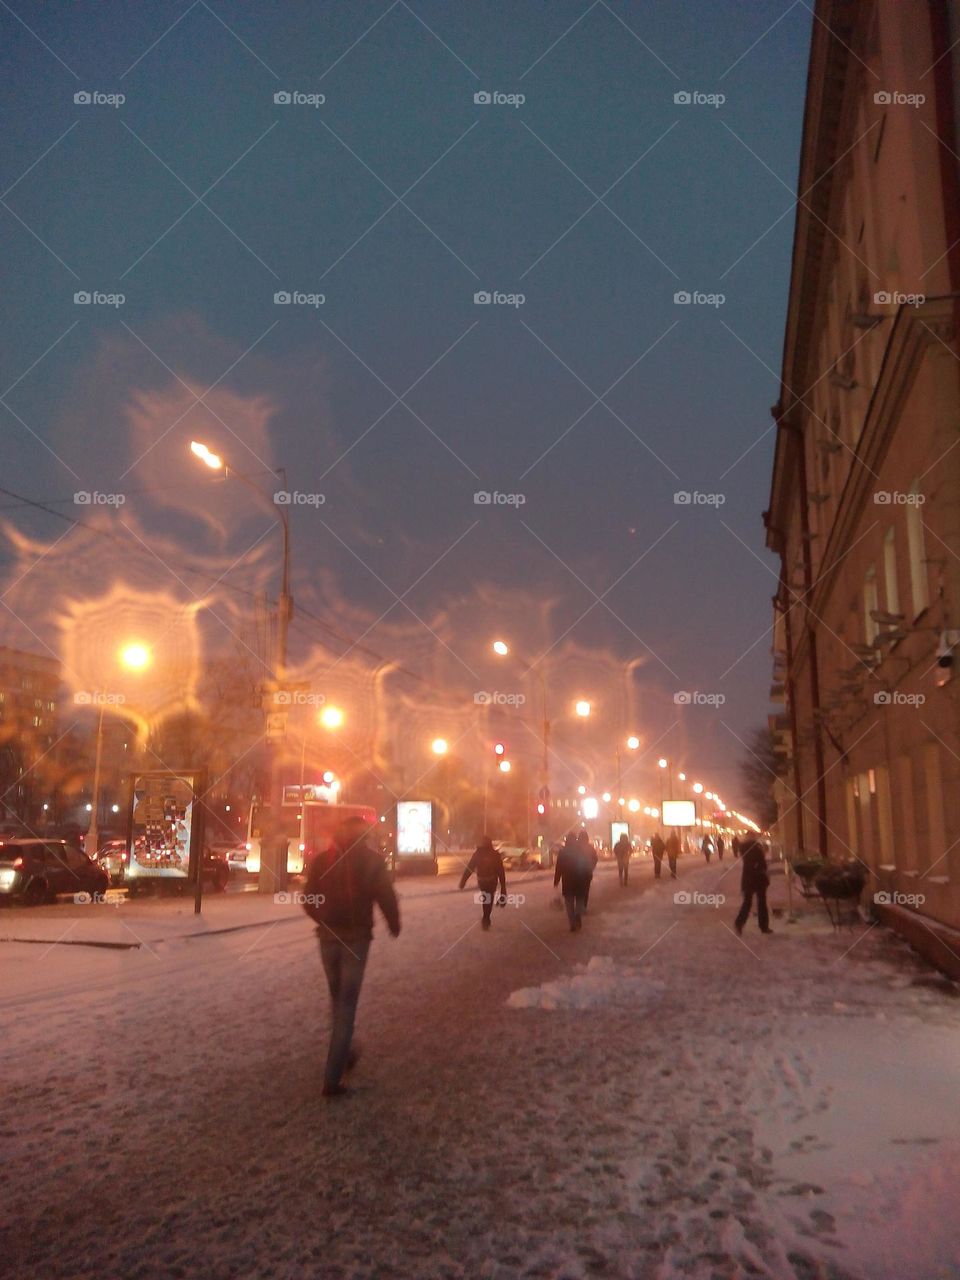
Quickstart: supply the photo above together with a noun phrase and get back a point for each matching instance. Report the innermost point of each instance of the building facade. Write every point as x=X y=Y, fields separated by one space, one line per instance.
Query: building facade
x=29 y=729
x=864 y=508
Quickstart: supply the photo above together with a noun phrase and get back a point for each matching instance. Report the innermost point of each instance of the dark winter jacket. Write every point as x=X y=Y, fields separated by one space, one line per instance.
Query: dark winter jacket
x=622 y=849
x=657 y=847
x=488 y=865
x=574 y=868
x=342 y=886
x=753 y=875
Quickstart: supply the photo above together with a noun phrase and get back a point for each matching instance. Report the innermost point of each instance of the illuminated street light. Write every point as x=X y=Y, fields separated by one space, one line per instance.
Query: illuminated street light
x=582 y=707
x=581 y=791
x=633 y=742
x=682 y=777
x=606 y=797
x=501 y=647
x=504 y=766
x=136 y=656
x=661 y=763
x=207 y=456
x=633 y=805
x=698 y=787
x=621 y=802
x=439 y=746
x=709 y=795
x=329 y=776
x=331 y=717
x=590 y=808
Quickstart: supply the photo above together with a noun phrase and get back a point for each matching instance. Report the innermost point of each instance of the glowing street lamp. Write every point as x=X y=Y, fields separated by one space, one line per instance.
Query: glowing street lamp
x=581 y=790
x=504 y=766
x=633 y=805
x=501 y=647
x=606 y=797
x=439 y=746
x=582 y=708
x=633 y=742
x=135 y=656
x=331 y=717
x=682 y=777
x=206 y=456
x=661 y=763
x=698 y=788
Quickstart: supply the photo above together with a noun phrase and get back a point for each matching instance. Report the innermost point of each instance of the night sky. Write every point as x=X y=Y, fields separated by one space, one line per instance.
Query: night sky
x=398 y=199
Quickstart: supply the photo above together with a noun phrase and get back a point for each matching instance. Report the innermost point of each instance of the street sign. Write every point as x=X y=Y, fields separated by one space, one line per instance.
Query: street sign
x=276 y=726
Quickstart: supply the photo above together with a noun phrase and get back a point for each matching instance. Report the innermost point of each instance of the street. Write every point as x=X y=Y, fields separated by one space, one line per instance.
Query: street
x=660 y=1098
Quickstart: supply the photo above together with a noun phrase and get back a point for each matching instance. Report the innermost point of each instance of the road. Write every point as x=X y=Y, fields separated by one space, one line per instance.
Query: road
x=682 y=1112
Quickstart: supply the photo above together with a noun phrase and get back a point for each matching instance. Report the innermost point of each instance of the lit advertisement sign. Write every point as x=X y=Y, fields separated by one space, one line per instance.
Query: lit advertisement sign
x=415 y=828
x=618 y=829
x=679 y=813
x=162 y=826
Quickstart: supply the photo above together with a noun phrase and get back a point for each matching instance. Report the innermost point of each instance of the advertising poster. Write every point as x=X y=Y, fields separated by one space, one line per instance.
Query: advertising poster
x=414 y=828
x=162 y=826
x=679 y=813
x=618 y=829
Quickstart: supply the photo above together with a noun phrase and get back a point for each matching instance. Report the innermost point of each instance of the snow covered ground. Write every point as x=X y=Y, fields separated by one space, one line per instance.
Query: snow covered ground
x=650 y=1098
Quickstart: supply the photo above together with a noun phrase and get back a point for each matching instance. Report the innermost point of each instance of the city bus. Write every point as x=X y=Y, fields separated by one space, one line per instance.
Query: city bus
x=309 y=815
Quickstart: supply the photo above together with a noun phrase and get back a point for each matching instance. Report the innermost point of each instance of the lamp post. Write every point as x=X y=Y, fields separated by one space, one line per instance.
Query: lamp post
x=633 y=742
x=273 y=858
x=134 y=656
x=502 y=649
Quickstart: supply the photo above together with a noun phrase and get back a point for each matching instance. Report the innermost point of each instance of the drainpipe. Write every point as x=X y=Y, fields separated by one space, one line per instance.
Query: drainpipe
x=818 y=754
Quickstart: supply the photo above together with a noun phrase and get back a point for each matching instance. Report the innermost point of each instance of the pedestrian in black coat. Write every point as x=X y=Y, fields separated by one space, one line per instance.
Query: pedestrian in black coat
x=622 y=851
x=754 y=880
x=488 y=865
x=720 y=848
x=657 y=848
x=574 y=873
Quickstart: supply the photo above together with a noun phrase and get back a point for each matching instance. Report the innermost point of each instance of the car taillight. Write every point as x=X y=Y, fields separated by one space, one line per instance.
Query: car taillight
x=18 y=862
x=124 y=857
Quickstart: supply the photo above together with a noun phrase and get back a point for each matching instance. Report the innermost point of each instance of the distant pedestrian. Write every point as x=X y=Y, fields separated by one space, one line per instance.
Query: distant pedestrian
x=735 y=846
x=673 y=852
x=622 y=849
x=753 y=883
x=488 y=865
x=573 y=874
x=342 y=885
x=657 y=848
x=720 y=848
x=706 y=847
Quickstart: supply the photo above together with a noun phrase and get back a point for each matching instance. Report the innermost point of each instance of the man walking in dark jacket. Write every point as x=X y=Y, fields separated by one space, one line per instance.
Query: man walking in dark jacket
x=622 y=851
x=657 y=848
x=488 y=864
x=342 y=886
x=574 y=873
x=753 y=881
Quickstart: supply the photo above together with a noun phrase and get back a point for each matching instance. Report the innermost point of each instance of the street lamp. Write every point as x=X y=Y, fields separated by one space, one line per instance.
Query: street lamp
x=439 y=746
x=633 y=742
x=502 y=649
x=331 y=717
x=273 y=867
x=134 y=656
x=582 y=707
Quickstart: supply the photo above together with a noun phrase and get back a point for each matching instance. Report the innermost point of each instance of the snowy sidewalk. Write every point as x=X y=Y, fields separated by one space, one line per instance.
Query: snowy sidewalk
x=663 y=1100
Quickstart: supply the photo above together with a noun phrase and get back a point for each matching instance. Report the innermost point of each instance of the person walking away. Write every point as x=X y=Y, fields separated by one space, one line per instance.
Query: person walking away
x=673 y=852
x=720 y=848
x=735 y=846
x=622 y=850
x=590 y=856
x=342 y=885
x=657 y=848
x=706 y=848
x=488 y=865
x=573 y=873
x=753 y=883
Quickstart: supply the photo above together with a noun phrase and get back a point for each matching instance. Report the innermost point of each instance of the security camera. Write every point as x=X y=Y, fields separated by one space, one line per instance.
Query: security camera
x=945 y=646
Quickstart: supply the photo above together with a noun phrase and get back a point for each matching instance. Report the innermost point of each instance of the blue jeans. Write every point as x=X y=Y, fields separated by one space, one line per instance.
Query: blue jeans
x=344 y=964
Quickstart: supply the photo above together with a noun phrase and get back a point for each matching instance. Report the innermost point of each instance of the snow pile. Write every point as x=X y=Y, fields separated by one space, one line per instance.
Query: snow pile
x=598 y=983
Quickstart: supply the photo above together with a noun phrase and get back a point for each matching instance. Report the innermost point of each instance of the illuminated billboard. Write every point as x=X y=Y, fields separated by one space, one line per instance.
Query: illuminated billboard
x=618 y=829
x=163 y=831
x=415 y=828
x=679 y=813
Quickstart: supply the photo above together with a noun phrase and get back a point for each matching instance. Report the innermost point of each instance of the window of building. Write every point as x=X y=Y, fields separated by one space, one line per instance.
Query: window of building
x=891 y=582
x=919 y=584
x=871 y=604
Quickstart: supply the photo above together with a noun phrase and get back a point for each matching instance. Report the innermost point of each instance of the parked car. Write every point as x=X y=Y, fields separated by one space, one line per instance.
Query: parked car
x=236 y=857
x=35 y=871
x=113 y=857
